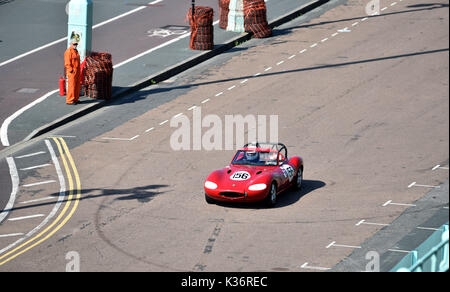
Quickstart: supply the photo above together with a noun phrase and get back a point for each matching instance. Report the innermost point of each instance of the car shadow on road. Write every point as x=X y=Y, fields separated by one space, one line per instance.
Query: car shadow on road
x=142 y=194
x=285 y=199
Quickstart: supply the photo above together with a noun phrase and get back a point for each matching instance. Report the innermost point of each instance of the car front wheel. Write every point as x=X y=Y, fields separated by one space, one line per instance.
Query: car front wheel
x=271 y=198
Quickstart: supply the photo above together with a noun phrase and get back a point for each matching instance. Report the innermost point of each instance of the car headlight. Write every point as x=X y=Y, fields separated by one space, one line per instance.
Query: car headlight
x=210 y=185
x=257 y=187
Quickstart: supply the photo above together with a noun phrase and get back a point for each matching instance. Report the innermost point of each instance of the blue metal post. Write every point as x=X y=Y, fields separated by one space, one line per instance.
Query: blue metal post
x=80 y=24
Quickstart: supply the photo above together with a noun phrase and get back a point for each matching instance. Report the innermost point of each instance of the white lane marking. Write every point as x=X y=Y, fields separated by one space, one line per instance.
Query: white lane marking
x=243 y=81
x=30 y=155
x=257 y=74
x=55 y=209
x=303 y=51
x=10 y=235
x=34 y=167
x=26 y=217
x=37 y=200
x=162 y=123
x=65 y=38
x=341 y=245
x=440 y=167
x=305 y=266
x=206 y=100
x=415 y=184
x=177 y=115
x=370 y=223
x=267 y=69
x=313 y=45
x=397 y=204
x=428 y=228
x=364 y=19
x=15 y=187
x=7 y=122
x=334 y=34
x=192 y=107
x=39 y=183
x=120 y=139
x=279 y=63
x=331 y=244
x=291 y=57
x=384 y=8
x=345 y=29
x=355 y=23
x=148 y=130
x=399 y=250
x=232 y=87
x=393 y=3
x=324 y=40
x=220 y=93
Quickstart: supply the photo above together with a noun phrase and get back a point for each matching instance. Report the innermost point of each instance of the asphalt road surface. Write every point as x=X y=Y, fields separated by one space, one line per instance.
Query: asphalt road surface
x=364 y=100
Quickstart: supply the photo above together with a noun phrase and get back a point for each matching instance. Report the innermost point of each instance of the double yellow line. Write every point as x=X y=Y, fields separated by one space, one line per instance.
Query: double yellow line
x=66 y=213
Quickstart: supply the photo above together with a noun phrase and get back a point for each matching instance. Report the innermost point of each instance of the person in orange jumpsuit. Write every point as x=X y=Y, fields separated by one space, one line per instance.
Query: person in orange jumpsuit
x=73 y=71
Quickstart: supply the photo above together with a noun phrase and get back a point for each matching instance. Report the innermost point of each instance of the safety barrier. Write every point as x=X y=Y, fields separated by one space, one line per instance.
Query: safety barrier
x=98 y=76
x=255 y=18
x=202 y=30
x=236 y=16
x=224 y=9
x=430 y=256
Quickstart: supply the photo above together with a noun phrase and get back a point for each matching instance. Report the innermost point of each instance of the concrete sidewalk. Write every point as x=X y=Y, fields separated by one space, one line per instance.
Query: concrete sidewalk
x=146 y=70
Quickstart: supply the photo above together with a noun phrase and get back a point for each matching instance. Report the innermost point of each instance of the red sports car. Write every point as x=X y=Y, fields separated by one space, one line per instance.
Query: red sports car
x=258 y=172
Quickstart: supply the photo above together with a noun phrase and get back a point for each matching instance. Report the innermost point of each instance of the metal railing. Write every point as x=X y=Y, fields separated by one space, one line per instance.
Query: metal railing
x=431 y=256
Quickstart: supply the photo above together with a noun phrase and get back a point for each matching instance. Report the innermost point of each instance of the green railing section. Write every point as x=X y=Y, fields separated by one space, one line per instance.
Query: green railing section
x=430 y=256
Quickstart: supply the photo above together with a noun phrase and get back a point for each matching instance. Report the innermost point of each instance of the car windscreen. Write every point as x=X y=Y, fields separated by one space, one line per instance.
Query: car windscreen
x=258 y=158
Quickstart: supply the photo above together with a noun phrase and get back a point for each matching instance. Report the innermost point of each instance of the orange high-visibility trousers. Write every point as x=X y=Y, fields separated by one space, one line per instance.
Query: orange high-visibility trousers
x=73 y=71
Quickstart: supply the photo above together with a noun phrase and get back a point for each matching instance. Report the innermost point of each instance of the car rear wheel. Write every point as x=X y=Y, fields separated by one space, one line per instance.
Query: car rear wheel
x=271 y=198
x=299 y=179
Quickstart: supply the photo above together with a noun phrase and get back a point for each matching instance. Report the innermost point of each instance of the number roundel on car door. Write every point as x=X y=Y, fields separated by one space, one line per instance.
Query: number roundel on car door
x=240 y=175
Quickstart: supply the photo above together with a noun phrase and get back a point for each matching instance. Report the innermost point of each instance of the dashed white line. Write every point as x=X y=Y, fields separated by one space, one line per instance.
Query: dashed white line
x=192 y=107
x=244 y=81
x=267 y=69
x=355 y=23
x=162 y=123
x=324 y=40
x=257 y=74
x=39 y=183
x=148 y=130
x=37 y=200
x=26 y=217
x=313 y=45
x=428 y=228
x=232 y=87
x=177 y=115
x=220 y=93
x=341 y=245
x=370 y=223
x=34 y=167
x=206 y=100
x=279 y=63
x=334 y=34
x=31 y=155
x=364 y=19
x=303 y=51
x=399 y=250
x=305 y=266
x=397 y=204
x=384 y=8
x=291 y=57
x=10 y=235
x=394 y=3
